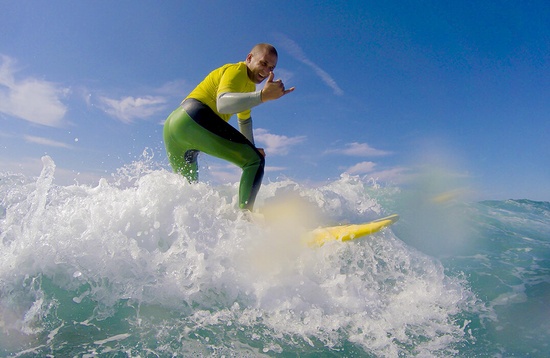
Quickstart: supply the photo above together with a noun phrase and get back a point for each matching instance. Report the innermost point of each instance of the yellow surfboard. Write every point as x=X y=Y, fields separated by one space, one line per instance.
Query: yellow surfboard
x=320 y=236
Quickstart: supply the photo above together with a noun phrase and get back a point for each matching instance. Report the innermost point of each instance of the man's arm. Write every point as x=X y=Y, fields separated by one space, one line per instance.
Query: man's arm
x=245 y=127
x=235 y=102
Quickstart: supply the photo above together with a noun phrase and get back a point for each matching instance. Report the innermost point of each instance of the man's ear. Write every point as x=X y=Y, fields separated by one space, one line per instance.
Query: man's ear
x=249 y=58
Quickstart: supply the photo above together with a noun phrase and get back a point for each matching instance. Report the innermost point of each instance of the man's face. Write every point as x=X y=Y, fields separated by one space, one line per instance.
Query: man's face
x=260 y=64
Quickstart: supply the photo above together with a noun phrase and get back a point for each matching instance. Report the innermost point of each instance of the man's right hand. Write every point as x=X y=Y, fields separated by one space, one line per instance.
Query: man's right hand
x=274 y=89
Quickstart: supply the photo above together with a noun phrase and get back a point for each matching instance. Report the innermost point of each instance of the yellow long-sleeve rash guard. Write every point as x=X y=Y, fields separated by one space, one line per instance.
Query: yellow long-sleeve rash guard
x=230 y=78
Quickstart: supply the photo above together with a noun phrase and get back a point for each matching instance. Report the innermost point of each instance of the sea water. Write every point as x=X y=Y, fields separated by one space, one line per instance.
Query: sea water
x=144 y=264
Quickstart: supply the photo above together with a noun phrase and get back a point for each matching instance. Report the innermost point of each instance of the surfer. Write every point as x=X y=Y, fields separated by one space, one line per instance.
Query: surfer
x=200 y=123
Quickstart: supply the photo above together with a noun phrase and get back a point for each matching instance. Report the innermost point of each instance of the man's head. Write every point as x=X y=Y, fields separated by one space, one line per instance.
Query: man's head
x=261 y=60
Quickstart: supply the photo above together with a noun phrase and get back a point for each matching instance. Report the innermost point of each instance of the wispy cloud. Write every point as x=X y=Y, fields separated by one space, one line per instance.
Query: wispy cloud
x=359 y=150
x=31 y=99
x=224 y=173
x=394 y=175
x=296 y=51
x=45 y=141
x=129 y=108
x=275 y=144
x=174 y=88
x=361 y=168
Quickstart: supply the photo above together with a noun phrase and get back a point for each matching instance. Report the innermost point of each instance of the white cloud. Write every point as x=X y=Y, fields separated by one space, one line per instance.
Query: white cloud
x=395 y=175
x=361 y=168
x=295 y=51
x=225 y=175
x=45 y=141
x=129 y=108
x=359 y=150
x=275 y=144
x=272 y=169
x=31 y=99
x=174 y=88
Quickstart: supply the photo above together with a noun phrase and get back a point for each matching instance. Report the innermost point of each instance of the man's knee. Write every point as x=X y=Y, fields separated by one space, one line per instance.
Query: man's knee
x=257 y=160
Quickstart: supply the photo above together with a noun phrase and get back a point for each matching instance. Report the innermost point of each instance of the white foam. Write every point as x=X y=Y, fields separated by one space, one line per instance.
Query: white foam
x=155 y=239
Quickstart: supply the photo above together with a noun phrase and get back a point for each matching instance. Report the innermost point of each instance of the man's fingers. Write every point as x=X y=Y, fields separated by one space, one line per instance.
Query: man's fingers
x=270 y=76
x=289 y=90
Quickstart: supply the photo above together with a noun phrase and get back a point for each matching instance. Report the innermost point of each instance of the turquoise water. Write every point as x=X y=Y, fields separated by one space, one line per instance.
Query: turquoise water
x=146 y=265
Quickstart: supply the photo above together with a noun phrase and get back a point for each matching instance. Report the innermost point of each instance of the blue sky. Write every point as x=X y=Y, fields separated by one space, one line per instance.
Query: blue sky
x=385 y=89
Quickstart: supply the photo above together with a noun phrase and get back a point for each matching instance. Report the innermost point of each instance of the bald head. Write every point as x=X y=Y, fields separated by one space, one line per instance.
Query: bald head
x=264 y=48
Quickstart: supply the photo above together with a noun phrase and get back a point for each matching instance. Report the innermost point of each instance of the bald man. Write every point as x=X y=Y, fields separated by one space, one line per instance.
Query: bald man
x=200 y=123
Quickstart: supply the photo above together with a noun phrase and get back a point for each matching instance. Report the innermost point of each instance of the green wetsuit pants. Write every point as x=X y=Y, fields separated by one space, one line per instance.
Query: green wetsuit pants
x=194 y=127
